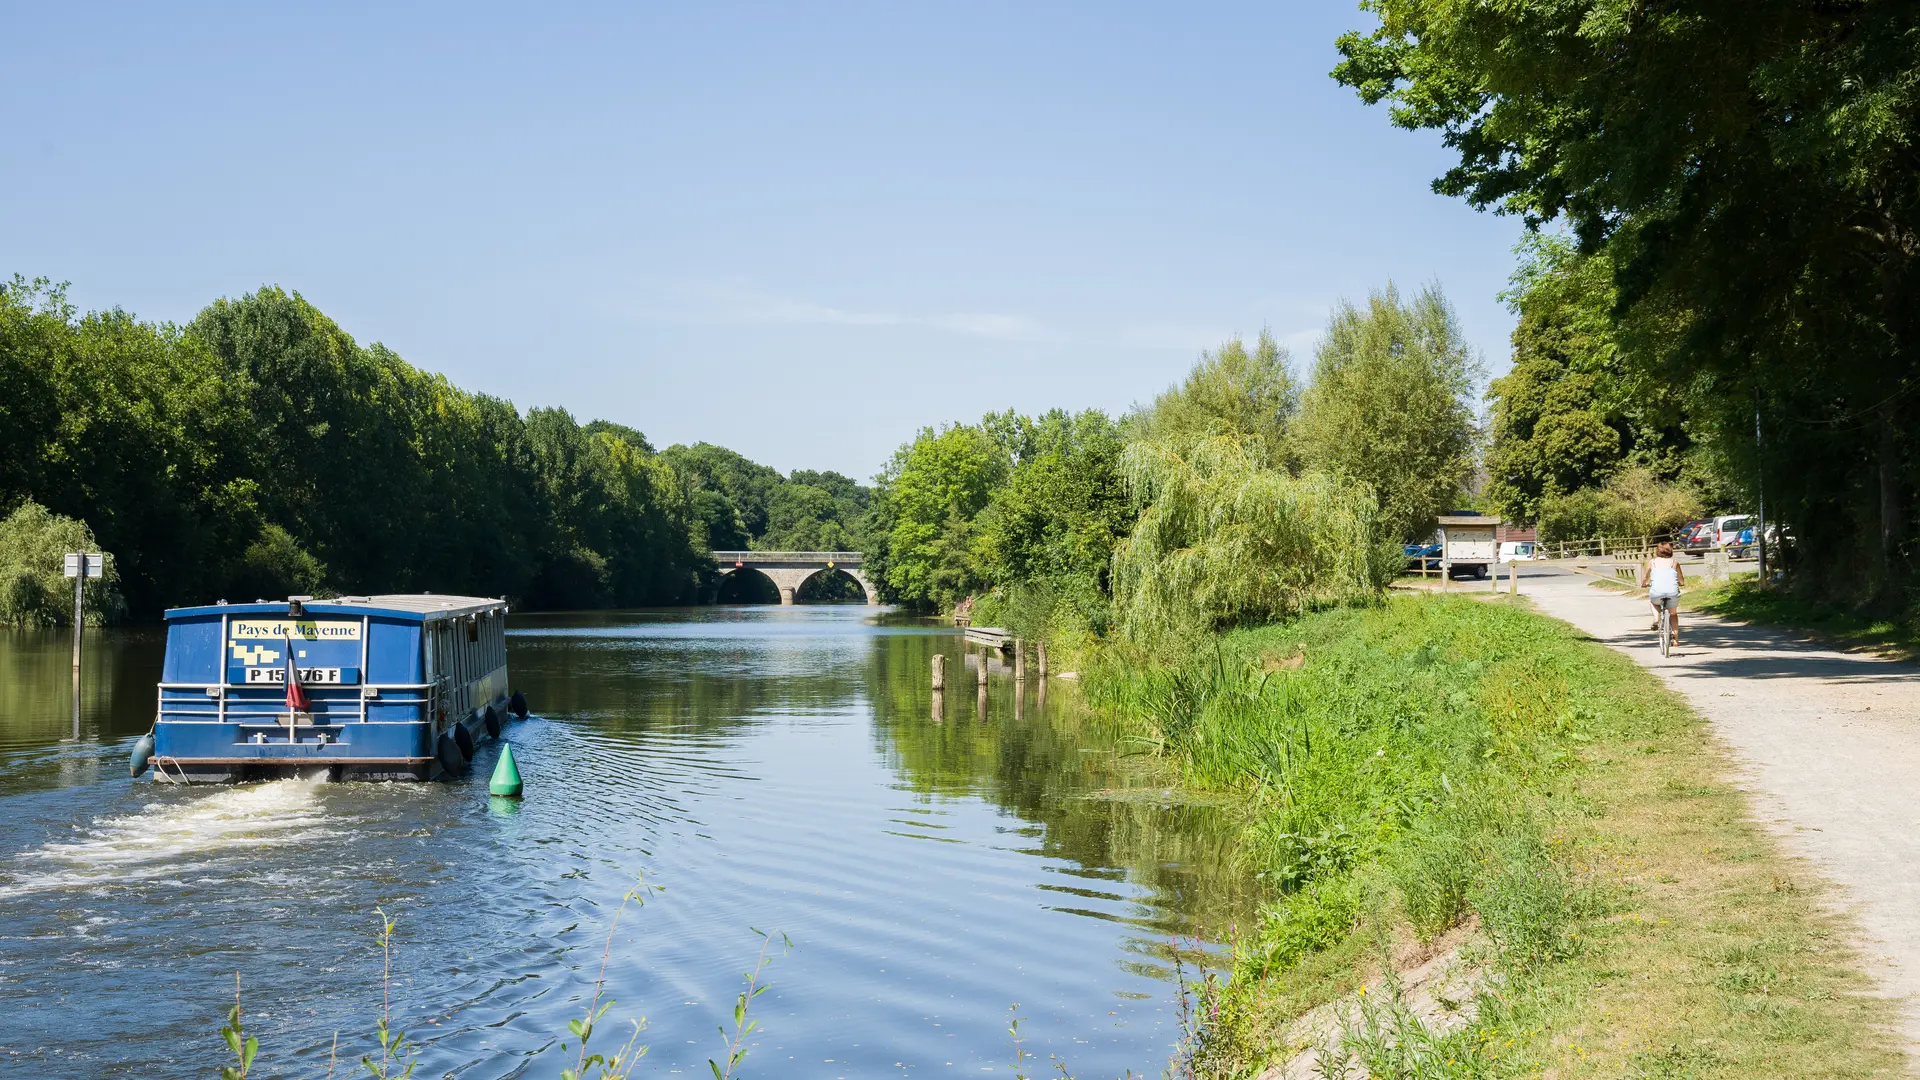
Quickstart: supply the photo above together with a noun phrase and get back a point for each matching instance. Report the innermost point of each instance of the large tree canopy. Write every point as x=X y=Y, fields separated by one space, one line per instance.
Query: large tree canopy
x=1751 y=167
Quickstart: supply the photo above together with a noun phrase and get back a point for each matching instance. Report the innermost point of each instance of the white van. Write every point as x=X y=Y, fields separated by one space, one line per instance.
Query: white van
x=1518 y=551
x=1727 y=529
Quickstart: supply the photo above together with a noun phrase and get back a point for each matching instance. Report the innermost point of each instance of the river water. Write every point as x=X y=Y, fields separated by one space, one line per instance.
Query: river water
x=770 y=768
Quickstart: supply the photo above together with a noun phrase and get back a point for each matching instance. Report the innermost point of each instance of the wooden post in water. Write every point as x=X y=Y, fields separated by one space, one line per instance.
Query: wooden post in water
x=1019 y=701
x=1019 y=661
x=984 y=654
x=1040 y=657
x=939 y=673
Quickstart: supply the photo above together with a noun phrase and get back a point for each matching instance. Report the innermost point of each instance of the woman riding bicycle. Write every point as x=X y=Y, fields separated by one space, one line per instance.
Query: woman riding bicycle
x=1662 y=577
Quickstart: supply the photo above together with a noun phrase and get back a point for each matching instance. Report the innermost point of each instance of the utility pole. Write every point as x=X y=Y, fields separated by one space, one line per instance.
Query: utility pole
x=81 y=565
x=1760 y=488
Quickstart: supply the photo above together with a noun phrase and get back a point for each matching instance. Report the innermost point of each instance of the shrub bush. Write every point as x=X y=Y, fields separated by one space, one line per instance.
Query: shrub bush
x=1634 y=502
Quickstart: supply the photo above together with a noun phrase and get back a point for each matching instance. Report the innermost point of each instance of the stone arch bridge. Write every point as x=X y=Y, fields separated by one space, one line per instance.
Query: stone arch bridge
x=790 y=569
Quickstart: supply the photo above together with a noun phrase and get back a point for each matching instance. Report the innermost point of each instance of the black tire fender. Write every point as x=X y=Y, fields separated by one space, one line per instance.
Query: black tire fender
x=448 y=753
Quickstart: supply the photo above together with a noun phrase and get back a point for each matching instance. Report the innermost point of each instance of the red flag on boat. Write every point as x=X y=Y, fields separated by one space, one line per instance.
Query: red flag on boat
x=296 y=694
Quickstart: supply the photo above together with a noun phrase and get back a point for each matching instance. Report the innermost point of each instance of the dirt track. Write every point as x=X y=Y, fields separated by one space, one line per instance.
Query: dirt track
x=1829 y=744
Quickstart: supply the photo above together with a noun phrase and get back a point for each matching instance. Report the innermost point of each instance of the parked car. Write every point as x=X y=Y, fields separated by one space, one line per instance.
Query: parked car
x=1418 y=554
x=1745 y=547
x=1694 y=536
x=1518 y=551
x=1726 y=529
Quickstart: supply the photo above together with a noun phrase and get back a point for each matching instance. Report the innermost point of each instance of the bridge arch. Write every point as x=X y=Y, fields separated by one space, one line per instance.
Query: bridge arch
x=790 y=569
x=744 y=586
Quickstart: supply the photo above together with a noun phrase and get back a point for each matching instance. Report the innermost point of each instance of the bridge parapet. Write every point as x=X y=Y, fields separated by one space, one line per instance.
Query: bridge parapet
x=838 y=558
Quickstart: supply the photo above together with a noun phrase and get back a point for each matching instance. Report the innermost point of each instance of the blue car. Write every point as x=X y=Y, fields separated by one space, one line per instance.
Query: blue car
x=1416 y=553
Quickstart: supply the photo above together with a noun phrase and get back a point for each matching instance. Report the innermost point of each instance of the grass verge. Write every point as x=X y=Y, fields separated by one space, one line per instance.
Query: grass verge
x=1749 y=601
x=1438 y=763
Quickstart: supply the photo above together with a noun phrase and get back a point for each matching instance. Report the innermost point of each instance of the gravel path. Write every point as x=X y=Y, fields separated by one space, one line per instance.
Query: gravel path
x=1829 y=743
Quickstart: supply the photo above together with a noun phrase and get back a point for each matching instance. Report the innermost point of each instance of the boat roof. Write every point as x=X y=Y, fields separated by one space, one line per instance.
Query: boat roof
x=421 y=607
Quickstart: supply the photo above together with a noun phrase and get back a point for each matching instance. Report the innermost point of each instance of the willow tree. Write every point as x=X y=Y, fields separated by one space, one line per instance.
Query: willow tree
x=1226 y=539
x=1390 y=406
x=33 y=588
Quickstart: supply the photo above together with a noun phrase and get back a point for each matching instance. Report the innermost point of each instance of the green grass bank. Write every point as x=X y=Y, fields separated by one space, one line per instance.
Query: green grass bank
x=1462 y=775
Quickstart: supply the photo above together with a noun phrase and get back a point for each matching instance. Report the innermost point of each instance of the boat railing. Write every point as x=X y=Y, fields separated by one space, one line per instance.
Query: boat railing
x=178 y=710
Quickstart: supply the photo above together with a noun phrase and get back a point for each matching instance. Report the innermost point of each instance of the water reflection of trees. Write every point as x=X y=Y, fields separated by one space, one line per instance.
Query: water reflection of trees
x=117 y=680
x=698 y=671
x=1047 y=762
x=1050 y=762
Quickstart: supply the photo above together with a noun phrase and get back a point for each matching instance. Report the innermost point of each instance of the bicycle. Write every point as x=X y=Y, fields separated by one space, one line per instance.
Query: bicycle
x=1668 y=608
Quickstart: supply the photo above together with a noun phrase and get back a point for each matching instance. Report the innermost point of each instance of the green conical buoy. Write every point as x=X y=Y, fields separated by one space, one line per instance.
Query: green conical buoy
x=506 y=776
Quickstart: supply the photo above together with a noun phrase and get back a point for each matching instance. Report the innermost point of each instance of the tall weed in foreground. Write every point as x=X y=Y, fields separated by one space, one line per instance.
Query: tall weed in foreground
x=396 y=1050
x=244 y=1046
x=399 y=1055
x=742 y=1026
x=627 y=1057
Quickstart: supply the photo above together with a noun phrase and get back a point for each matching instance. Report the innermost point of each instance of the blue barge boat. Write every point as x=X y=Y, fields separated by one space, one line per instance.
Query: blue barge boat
x=396 y=687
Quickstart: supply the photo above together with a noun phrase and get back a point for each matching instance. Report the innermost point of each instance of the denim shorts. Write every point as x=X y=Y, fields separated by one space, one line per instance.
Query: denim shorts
x=1667 y=602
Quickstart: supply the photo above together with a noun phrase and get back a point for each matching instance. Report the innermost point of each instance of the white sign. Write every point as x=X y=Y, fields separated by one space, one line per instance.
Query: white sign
x=91 y=563
x=297 y=629
x=308 y=675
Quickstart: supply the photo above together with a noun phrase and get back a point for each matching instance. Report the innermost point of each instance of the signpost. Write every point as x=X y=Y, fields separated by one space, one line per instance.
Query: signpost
x=81 y=565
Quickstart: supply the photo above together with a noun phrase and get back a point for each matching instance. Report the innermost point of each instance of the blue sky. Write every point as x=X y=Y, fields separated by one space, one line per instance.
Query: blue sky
x=802 y=231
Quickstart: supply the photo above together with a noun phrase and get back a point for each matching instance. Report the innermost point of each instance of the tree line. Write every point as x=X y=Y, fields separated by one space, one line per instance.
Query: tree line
x=260 y=451
x=1236 y=495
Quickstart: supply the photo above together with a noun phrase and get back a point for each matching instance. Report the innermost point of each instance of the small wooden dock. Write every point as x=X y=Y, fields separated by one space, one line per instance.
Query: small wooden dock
x=993 y=637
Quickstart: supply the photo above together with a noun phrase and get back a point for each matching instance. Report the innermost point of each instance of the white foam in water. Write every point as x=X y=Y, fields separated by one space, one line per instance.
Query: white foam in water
x=165 y=839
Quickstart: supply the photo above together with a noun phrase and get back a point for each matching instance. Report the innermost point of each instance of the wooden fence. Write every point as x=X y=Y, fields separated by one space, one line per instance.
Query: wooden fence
x=1601 y=547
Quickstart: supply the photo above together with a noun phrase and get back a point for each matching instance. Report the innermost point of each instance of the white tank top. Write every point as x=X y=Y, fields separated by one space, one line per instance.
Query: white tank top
x=1664 y=579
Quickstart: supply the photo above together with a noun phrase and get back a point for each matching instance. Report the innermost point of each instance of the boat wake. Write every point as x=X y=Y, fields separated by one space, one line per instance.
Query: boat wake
x=172 y=840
